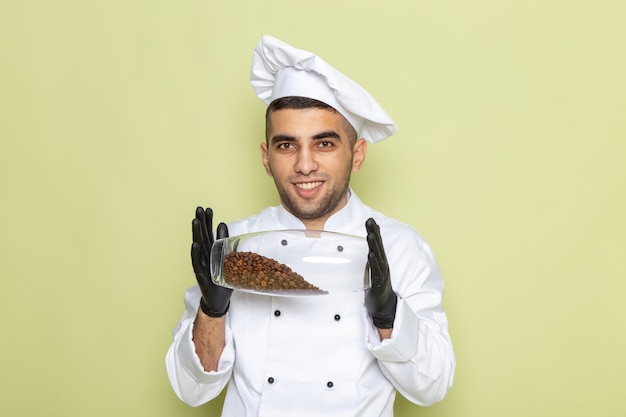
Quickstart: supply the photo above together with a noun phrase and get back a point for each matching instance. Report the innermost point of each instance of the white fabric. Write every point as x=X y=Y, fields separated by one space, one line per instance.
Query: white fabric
x=280 y=70
x=304 y=347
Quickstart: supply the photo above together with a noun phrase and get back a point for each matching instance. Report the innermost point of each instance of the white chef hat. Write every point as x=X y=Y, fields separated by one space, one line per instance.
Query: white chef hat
x=280 y=70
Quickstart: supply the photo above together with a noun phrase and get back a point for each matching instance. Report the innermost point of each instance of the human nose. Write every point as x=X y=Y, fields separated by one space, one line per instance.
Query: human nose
x=305 y=162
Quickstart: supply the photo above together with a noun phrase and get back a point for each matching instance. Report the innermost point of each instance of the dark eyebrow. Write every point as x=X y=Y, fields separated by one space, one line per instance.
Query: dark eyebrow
x=283 y=138
x=330 y=134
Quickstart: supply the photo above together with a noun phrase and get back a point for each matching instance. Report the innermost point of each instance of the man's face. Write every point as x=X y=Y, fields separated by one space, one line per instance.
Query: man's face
x=311 y=158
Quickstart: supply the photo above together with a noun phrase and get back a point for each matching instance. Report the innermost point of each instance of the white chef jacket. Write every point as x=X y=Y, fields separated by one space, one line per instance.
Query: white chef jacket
x=309 y=356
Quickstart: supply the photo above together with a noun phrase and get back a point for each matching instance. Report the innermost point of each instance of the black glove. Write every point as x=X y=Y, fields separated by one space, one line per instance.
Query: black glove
x=380 y=300
x=215 y=299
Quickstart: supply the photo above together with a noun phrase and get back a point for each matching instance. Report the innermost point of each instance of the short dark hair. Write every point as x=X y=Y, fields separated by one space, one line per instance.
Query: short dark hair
x=298 y=102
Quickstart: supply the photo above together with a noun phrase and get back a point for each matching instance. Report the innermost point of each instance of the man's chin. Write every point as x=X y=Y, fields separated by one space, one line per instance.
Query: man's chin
x=304 y=211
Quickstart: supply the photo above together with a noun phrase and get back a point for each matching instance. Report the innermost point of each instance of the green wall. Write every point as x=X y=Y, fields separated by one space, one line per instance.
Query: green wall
x=118 y=117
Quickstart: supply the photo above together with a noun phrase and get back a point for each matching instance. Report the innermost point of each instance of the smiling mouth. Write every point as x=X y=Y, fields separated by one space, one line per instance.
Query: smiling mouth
x=309 y=185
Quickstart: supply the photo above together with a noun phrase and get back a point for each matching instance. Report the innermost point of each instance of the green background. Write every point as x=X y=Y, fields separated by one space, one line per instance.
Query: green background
x=118 y=117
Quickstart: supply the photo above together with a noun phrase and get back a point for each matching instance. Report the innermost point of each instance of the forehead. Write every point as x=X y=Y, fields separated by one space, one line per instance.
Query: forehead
x=305 y=121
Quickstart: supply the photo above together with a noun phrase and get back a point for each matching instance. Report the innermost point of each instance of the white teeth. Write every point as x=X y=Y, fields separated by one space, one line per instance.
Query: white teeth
x=308 y=185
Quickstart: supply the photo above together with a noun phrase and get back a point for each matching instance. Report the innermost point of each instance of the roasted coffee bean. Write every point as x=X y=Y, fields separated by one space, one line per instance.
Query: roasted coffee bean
x=254 y=271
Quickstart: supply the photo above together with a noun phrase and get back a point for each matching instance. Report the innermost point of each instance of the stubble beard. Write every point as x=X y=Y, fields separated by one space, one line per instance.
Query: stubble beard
x=326 y=205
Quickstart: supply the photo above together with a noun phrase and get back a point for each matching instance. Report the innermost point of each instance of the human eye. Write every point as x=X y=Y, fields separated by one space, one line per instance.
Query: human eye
x=325 y=144
x=284 y=146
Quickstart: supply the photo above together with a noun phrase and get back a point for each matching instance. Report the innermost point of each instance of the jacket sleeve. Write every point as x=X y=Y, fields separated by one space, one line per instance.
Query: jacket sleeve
x=418 y=359
x=190 y=382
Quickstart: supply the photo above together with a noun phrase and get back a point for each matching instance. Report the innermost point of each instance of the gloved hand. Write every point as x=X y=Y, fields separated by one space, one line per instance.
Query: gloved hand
x=380 y=300
x=215 y=299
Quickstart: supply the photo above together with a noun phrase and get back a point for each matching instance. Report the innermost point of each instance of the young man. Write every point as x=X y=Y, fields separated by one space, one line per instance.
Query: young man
x=343 y=354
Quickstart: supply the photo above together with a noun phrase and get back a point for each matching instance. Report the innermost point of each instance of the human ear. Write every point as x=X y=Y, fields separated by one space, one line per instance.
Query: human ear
x=265 y=159
x=358 y=154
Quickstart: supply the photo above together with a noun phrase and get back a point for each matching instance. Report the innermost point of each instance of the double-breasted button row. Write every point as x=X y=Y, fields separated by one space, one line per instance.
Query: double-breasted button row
x=329 y=384
x=284 y=242
x=277 y=313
